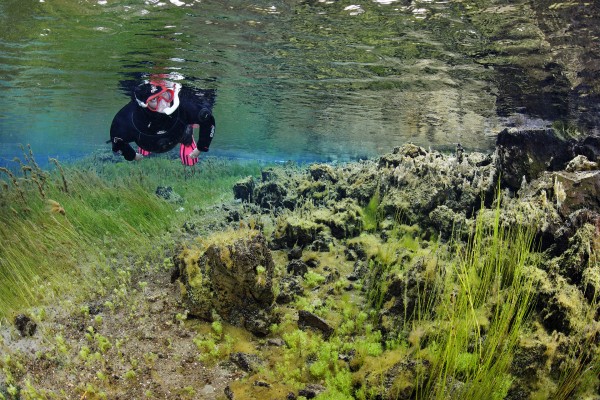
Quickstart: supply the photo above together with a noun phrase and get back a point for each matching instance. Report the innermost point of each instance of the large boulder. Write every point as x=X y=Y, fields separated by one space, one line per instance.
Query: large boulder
x=415 y=182
x=590 y=148
x=577 y=190
x=528 y=153
x=233 y=278
x=296 y=231
x=244 y=189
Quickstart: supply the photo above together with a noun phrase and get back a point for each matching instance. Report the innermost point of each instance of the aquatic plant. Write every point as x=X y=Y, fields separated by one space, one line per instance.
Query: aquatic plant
x=371 y=214
x=483 y=315
x=74 y=219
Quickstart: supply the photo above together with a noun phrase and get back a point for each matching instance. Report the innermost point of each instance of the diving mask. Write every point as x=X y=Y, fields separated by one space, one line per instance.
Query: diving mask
x=163 y=98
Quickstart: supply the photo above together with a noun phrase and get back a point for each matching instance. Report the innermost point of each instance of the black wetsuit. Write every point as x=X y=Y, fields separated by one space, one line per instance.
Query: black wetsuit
x=157 y=132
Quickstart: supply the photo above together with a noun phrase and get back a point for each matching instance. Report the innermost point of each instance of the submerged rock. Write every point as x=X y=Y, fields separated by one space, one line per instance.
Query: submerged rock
x=244 y=189
x=577 y=190
x=247 y=362
x=323 y=172
x=167 y=193
x=270 y=195
x=312 y=391
x=308 y=320
x=412 y=196
x=232 y=278
x=581 y=163
x=528 y=153
x=25 y=325
x=590 y=148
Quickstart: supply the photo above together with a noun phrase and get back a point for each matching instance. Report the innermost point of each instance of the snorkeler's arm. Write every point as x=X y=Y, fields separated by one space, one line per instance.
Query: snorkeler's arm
x=123 y=148
x=206 y=133
x=119 y=139
x=199 y=112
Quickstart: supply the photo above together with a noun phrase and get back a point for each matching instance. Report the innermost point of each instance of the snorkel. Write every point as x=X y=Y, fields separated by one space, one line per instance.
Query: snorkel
x=170 y=110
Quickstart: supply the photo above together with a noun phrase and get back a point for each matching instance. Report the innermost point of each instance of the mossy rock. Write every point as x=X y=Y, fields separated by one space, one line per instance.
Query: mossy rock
x=270 y=194
x=399 y=154
x=360 y=186
x=387 y=378
x=233 y=277
x=528 y=153
x=244 y=189
x=296 y=231
x=343 y=219
x=405 y=293
x=447 y=222
x=323 y=172
x=319 y=192
x=196 y=288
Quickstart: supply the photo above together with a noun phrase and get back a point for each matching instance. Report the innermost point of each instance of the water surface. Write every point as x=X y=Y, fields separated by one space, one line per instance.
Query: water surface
x=303 y=80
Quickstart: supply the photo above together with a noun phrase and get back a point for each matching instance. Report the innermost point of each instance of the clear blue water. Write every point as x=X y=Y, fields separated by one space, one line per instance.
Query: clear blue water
x=302 y=80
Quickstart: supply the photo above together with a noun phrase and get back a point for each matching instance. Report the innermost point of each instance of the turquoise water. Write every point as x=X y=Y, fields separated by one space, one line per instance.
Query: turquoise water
x=303 y=80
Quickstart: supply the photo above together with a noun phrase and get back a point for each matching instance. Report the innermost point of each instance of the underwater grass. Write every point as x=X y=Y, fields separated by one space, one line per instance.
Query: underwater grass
x=60 y=229
x=488 y=298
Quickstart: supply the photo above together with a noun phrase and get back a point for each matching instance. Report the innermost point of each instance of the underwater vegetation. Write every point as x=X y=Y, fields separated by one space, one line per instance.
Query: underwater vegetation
x=417 y=275
x=80 y=222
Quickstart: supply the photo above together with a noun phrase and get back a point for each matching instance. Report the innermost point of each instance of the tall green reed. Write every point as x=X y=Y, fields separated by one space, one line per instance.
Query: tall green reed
x=582 y=370
x=484 y=308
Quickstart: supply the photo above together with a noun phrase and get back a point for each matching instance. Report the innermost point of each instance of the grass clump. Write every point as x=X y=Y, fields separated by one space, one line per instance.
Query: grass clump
x=484 y=310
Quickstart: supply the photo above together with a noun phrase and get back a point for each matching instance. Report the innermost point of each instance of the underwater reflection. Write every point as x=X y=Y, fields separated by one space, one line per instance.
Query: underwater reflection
x=362 y=77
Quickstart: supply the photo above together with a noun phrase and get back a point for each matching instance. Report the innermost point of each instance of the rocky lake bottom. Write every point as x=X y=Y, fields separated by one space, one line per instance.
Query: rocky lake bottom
x=414 y=275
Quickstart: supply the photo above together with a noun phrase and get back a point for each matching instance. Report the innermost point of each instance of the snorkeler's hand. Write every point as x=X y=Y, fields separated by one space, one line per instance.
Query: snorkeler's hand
x=194 y=154
x=138 y=156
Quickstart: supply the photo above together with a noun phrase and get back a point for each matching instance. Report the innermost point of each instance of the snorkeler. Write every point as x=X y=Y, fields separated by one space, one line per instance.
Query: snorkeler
x=159 y=116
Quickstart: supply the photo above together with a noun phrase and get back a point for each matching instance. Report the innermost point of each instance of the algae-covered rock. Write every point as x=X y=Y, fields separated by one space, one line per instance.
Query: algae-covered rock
x=289 y=288
x=343 y=219
x=296 y=231
x=589 y=147
x=560 y=305
x=297 y=267
x=528 y=153
x=320 y=192
x=168 y=194
x=270 y=194
x=527 y=367
x=530 y=357
x=591 y=285
x=232 y=277
x=392 y=379
x=446 y=221
x=577 y=190
x=193 y=273
x=25 y=325
x=308 y=320
x=406 y=293
x=360 y=184
x=323 y=172
x=579 y=257
x=422 y=181
x=581 y=163
x=399 y=154
x=247 y=362
x=323 y=242
x=244 y=189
